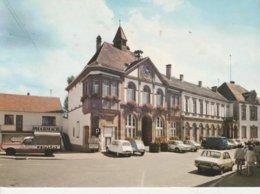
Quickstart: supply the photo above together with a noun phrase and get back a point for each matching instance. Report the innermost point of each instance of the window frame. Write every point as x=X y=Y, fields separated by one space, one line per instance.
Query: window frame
x=10 y=120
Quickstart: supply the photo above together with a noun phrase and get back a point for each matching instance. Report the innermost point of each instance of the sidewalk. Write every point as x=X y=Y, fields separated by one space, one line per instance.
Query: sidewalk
x=236 y=180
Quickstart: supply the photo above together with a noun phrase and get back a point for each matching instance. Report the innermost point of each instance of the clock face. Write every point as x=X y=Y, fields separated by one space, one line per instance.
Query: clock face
x=146 y=69
x=146 y=72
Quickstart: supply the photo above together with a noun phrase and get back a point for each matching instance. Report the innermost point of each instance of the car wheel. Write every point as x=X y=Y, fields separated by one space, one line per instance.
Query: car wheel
x=48 y=153
x=199 y=170
x=10 y=151
x=221 y=172
x=231 y=168
x=142 y=153
x=177 y=150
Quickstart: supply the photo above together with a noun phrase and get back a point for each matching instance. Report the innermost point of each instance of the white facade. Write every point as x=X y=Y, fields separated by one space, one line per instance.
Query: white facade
x=246 y=125
x=29 y=121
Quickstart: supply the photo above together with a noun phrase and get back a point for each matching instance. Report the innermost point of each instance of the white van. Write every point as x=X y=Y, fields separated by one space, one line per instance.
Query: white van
x=120 y=147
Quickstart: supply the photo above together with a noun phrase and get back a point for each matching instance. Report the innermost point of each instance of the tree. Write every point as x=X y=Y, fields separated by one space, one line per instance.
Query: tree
x=70 y=79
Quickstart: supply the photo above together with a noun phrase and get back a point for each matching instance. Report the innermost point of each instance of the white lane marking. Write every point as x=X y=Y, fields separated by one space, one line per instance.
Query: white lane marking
x=142 y=179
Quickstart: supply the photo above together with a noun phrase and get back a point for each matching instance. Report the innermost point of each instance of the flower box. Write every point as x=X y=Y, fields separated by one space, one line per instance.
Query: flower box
x=154 y=148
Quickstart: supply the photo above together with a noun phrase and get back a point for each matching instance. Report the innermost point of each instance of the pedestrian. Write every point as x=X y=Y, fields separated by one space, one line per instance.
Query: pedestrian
x=239 y=158
x=257 y=153
x=250 y=158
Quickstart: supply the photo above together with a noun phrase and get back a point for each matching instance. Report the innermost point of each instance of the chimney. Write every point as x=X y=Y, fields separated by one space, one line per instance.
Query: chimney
x=169 y=71
x=98 y=42
x=181 y=77
x=214 y=88
x=200 y=84
x=232 y=82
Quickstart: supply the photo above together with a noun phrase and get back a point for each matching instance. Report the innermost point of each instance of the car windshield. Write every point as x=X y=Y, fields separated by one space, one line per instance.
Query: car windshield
x=126 y=144
x=139 y=143
x=211 y=154
x=179 y=142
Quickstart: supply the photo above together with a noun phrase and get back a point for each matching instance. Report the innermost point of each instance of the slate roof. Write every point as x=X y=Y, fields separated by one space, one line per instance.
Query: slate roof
x=193 y=88
x=120 y=35
x=236 y=92
x=25 y=103
x=111 y=57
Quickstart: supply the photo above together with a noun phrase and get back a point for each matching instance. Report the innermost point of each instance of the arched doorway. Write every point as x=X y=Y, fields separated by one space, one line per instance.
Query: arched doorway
x=147 y=130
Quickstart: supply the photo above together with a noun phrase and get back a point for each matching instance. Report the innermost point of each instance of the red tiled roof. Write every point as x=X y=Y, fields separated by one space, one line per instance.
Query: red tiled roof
x=27 y=103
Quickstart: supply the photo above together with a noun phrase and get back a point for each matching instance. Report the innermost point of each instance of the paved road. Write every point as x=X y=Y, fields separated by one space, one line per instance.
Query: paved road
x=165 y=169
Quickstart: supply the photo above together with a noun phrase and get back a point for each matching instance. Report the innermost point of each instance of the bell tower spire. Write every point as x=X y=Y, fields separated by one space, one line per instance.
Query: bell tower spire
x=120 y=38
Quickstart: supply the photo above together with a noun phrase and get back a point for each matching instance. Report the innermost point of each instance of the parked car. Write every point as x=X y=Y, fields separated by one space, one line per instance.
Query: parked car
x=138 y=147
x=178 y=146
x=120 y=147
x=194 y=145
x=234 y=141
x=231 y=145
x=41 y=142
x=241 y=142
x=214 y=160
x=219 y=143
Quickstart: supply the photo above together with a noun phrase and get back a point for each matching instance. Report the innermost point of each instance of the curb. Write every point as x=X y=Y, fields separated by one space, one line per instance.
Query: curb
x=27 y=158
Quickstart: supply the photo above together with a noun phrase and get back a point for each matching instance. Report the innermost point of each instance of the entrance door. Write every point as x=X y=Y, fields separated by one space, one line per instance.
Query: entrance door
x=86 y=129
x=109 y=135
x=147 y=130
x=19 y=122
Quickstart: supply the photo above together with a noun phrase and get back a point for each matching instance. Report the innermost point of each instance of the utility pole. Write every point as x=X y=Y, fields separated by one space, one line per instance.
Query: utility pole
x=230 y=65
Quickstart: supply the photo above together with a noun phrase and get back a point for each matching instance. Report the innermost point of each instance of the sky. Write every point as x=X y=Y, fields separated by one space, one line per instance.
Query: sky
x=42 y=42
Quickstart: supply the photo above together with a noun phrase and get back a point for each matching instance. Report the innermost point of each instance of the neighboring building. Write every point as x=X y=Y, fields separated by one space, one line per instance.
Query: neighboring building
x=202 y=109
x=245 y=107
x=124 y=95
x=21 y=115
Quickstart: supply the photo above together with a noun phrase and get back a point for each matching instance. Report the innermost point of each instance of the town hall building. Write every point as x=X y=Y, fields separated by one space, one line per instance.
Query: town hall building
x=123 y=95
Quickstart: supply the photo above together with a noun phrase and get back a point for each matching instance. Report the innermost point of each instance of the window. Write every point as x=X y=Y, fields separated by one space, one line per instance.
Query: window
x=207 y=108
x=114 y=89
x=159 y=98
x=217 y=110
x=172 y=101
x=194 y=106
x=253 y=132
x=78 y=129
x=243 y=112
x=95 y=89
x=131 y=92
x=105 y=88
x=177 y=100
x=187 y=104
x=253 y=113
x=159 y=127
x=130 y=126
x=146 y=95
x=213 y=109
x=9 y=119
x=201 y=107
x=48 y=121
x=244 y=132
x=172 y=129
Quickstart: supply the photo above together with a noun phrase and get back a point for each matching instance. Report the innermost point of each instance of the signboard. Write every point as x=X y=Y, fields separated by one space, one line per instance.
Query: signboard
x=46 y=128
